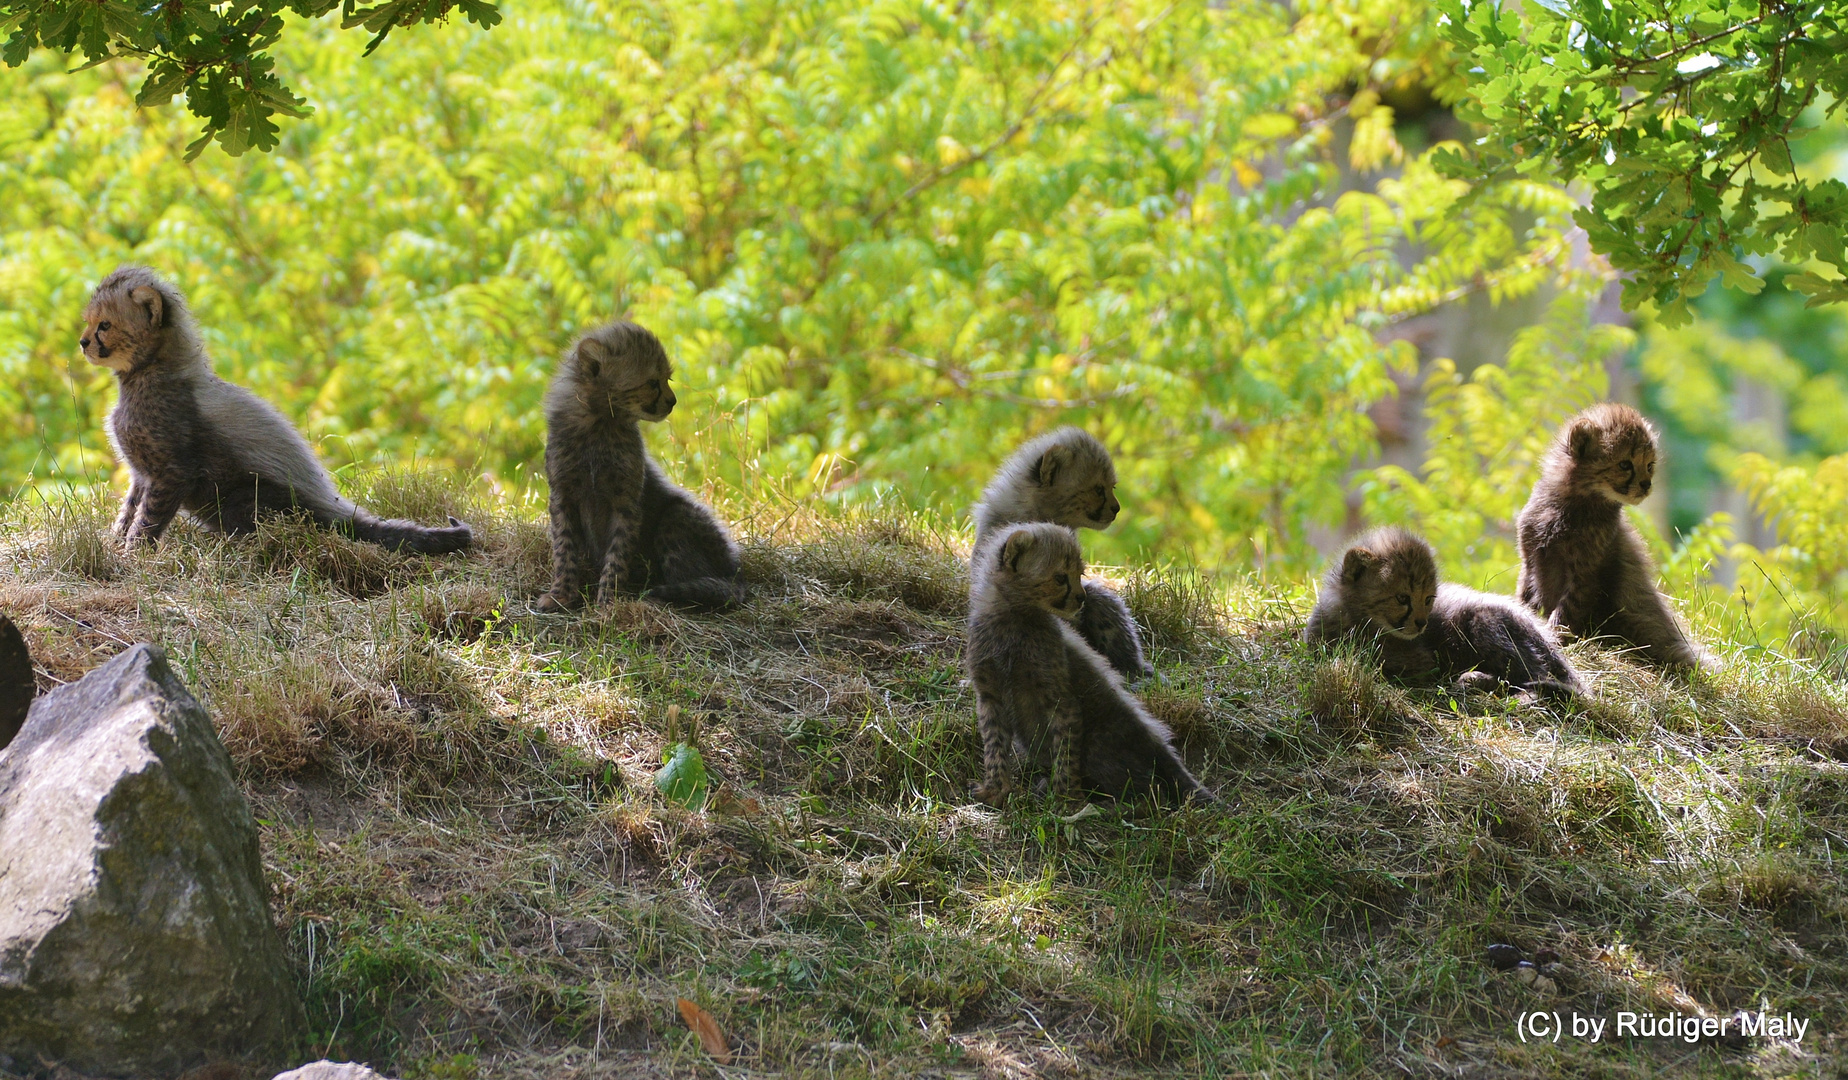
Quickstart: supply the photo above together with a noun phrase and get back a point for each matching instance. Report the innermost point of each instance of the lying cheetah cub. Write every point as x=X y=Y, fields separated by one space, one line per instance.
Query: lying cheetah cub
x=1582 y=563
x=617 y=521
x=1066 y=477
x=1039 y=686
x=1385 y=590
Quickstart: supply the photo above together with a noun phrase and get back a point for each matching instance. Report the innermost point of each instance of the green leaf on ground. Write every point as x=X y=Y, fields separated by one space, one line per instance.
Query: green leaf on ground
x=683 y=778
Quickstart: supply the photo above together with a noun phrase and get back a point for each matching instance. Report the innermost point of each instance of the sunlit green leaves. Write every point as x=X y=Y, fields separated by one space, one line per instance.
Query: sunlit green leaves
x=1682 y=117
x=1809 y=503
x=216 y=54
x=381 y=19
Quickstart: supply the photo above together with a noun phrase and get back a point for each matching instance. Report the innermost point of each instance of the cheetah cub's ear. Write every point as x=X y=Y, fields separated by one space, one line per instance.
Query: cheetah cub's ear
x=592 y=355
x=1584 y=438
x=1356 y=563
x=1054 y=459
x=149 y=299
x=1018 y=543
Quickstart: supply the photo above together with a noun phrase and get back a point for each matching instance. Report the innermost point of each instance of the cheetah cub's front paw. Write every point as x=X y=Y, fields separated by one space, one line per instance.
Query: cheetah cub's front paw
x=550 y=604
x=994 y=795
x=1480 y=681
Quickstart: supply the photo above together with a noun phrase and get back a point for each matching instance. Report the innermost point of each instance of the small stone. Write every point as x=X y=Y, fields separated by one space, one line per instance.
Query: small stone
x=1503 y=957
x=1733 y=1036
x=1552 y=970
x=1525 y=973
x=1545 y=985
x=329 y=1070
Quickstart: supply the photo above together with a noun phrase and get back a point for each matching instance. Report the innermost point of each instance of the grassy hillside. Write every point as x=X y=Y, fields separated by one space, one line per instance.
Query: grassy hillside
x=476 y=877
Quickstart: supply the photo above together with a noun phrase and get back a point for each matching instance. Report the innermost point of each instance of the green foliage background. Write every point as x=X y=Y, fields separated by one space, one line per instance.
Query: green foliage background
x=1684 y=121
x=1706 y=139
x=884 y=243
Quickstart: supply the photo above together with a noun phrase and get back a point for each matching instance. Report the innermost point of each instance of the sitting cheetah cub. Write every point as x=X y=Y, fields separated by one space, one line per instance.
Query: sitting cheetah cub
x=1385 y=591
x=1582 y=564
x=1040 y=687
x=1066 y=477
x=617 y=520
x=198 y=445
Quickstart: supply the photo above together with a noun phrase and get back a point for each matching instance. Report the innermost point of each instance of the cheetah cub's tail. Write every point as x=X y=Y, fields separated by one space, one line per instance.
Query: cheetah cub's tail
x=395 y=534
x=1181 y=782
x=700 y=594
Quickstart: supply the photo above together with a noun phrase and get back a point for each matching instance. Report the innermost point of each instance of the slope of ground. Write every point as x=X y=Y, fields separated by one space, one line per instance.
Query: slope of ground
x=476 y=876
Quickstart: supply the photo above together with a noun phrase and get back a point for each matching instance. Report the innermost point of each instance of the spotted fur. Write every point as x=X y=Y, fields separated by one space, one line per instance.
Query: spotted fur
x=198 y=444
x=1041 y=689
x=1583 y=565
x=1385 y=592
x=1067 y=477
x=617 y=522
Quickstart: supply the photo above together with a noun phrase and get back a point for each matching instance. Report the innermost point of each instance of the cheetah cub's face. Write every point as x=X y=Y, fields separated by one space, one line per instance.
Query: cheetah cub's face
x=1078 y=489
x=1628 y=478
x=122 y=327
x=1041 y=565
x=1613 y=454
x=621 y=371
x=1390 y=579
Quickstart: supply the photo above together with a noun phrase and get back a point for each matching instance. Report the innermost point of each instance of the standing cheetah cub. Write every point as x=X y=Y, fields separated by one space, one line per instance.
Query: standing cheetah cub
x=1040 y=687
x=1385 y=591
x=196 y=443
x=618 y=522
x=1582 y=564
x=1066 y=477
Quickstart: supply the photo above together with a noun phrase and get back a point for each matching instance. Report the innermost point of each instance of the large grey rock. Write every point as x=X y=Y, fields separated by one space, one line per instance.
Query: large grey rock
x=135 y=933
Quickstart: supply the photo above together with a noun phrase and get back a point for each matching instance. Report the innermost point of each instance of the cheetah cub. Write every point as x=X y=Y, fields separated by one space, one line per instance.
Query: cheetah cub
x=196 y=443
x=618 y=522
x=1042 y=689
x=1582 y=564
x=1385 y=590
x=1066 y=477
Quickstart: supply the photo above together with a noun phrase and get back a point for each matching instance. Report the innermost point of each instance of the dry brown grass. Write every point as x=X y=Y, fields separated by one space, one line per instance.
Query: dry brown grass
x=1348 y=696
x=477 y=877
